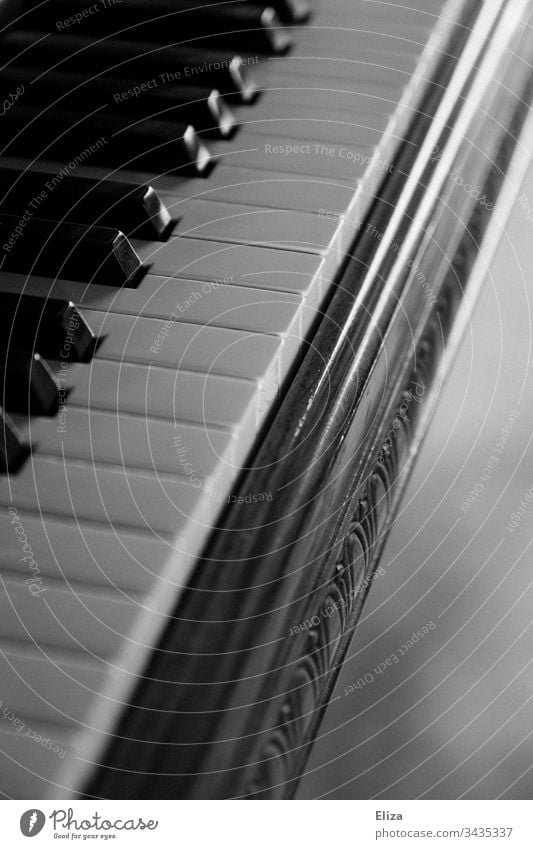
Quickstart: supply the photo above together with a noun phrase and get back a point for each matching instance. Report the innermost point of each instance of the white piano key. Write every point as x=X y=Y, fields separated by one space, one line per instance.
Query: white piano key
x=30 y=758
x=132 y=441
x=178 y=345
x=324 y=97
x=380 y=11
x=283 y=229
x=367 y=110
x=48 y=684
x=188 y=396
x=86 y=553
x=293 y=155
x=256 y=267
x=239 y=307
x=364 y=129
x=405 y=32
x=260 y=188
x=51 y=614
x=344 y=47
x=364 y=72
x=332 y=132
x=86 y=491
x=184 y=395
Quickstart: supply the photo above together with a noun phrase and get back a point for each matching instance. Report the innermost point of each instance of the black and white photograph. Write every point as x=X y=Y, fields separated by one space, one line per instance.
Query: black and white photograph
x=266 y=493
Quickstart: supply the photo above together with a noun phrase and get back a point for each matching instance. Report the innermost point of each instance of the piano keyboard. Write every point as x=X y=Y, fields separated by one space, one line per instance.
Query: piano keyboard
x=172 y=228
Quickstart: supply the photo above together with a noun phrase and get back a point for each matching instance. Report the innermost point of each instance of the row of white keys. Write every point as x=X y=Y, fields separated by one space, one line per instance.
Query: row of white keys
x=292 y=155
x=294 y=173
x=190 y=453
x=247 y=150
x=260 y=188
x=166 y=264
x=89 y=502
x=301 y=247
x=228 y=328
x=259 y=357
x=134 y=499
x=186 y=396
x=231 y=304
x=290 y=271
x=132 y=343
x=355 y=11
x=370 y=49
x=281 y=228
x=135 y=442
x=145 y=440
x=354 y=53
x=345 y=78
x=359 y=34
x=325 y=98
x=206 y=453
x=298 y=149
x=331 y=132
x=328 y=127
x=163 y=266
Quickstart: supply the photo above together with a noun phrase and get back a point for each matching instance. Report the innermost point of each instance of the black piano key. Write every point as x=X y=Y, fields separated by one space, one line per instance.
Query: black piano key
x=213 y=115
x=51 y=326
x=29 y=384
x=290 y=11
x=124 y=141
x=71 y=251
x=204 y=108
x=240 y=26
x=135 y=210
x=133 y=59
x=13 y=448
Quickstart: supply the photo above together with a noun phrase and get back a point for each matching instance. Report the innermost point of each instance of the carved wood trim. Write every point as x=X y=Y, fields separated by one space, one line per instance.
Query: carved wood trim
x=282 y=758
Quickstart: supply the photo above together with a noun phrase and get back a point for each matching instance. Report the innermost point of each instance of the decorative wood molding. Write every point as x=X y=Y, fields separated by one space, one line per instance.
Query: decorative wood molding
x=337 y=611
x=338 y=607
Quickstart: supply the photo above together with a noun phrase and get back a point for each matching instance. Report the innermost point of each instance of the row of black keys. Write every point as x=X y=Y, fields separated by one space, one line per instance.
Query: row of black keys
x=52 y=122
x=34 y=328
x=37 y=235
x=188 y=19
x=87 y=89
x=29 y=384
x=56 y=133
x=45 y=130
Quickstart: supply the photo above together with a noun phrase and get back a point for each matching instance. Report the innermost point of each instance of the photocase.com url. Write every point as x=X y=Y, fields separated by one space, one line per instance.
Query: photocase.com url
x=444 y=833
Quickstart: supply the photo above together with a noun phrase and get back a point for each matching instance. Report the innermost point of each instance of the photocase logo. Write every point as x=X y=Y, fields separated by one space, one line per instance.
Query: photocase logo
x=32 y=822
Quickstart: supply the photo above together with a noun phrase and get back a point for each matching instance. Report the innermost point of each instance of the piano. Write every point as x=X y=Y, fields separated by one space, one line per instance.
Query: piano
x=240 y=241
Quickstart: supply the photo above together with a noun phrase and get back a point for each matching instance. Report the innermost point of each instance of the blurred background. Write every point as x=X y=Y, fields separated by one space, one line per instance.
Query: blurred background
x=448 y=714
